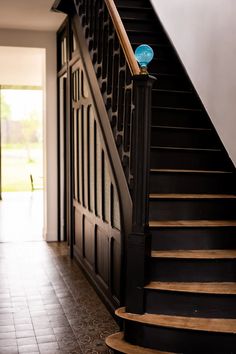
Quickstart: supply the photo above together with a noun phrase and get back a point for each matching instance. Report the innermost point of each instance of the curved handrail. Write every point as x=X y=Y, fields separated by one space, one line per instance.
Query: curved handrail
x=124 y=39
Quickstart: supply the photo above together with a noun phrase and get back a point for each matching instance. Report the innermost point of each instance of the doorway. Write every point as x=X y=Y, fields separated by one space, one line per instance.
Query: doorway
x=21 y=144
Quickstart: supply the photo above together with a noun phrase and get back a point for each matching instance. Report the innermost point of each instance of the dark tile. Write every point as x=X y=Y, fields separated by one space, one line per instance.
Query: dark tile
x=22 y=320
x=7 y=342
x=24 y=327
x=24 y=334
x=7 y=335
x=46 y=338
x=43 y=331
x=53 y=309
x=4 y=329
x=48 y=346
x=30 y=348
x=26 y=341
x=9 y=350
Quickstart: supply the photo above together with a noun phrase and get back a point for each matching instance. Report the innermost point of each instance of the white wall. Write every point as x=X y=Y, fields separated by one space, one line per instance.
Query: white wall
x=28 y=70
x=203 y=32
x=47 y=40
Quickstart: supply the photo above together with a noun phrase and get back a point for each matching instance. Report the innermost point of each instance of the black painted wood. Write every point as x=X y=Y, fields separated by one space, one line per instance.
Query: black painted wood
x=192 y=182
x=179 y=340
x=138 y=244
x=178 y=117
x=193 y=238
x=189 y=304
x=192 y=209
x=187 y=159
x=193 y=270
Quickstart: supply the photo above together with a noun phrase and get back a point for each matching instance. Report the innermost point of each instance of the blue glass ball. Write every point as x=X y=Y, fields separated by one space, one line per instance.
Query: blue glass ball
x=144 y=54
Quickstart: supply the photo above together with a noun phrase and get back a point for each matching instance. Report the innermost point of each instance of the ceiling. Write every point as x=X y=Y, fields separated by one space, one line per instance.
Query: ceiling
x=29 y=15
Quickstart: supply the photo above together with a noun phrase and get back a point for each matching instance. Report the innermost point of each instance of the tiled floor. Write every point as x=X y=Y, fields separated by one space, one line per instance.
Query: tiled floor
x=21 y=216
x=46 y=303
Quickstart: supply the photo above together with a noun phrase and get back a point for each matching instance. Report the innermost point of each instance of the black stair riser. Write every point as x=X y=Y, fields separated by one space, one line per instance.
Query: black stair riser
x=167 y=79
x=131 y=3
x=178 y=118
x=193 y=270
x=175 y=99
x=143 y=26
x=193 y=238
x=190 y=304
x=192 y=209
x=159 y=66
x=204 y=139
x=179 y=340
x=189 y=159
x=181 y=182
x=138 y=13
x=147 y=38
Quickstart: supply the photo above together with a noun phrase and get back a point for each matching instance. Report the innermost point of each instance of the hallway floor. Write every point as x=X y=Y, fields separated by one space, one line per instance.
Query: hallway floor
x=21 y=216
x=46 y=303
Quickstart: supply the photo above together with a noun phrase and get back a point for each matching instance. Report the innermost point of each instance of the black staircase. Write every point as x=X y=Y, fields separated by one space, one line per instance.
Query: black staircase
x=187 y=303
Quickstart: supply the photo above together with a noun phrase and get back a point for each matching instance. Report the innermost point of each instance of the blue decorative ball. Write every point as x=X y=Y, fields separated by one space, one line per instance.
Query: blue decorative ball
x=144 y=54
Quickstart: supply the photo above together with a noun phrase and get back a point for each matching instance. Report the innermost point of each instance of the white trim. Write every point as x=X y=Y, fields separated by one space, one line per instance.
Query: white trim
x=46 y=40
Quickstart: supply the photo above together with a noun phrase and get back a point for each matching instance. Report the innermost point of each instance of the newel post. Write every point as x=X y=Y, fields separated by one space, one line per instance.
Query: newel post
x=138 y=243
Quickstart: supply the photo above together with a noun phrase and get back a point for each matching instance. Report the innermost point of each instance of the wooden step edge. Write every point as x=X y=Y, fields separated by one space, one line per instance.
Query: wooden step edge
x=191 y=196
x=117 y=342
x=194 y=287
x=135 y=7
x=178 y=108
x=220 y=325
x=167 y=127
x=156 y=45
x=191 y=223
x=184 y=149
x=160 y=170
x=188 y=92
x=195 y=254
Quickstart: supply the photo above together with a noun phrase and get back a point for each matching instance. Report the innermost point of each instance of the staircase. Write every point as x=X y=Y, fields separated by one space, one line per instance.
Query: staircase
x=190 y=296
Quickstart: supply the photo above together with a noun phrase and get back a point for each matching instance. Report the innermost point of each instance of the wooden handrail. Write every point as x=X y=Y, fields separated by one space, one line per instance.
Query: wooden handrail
x=124 y=39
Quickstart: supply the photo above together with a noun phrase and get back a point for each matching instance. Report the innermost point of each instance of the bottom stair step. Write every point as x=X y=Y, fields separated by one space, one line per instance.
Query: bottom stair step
x=180 y=334
x=119 y=345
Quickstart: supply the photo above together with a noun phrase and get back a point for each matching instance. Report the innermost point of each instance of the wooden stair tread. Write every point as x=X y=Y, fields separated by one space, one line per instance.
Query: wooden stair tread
x=192 y=196
x=172 y=91
x=183 y=148
x=190 y=323
x=188 y=171
x=178 y=108
x=206 y=288
x=195 y=254
x=168 y=127
x=117 y=342
x=192 y=223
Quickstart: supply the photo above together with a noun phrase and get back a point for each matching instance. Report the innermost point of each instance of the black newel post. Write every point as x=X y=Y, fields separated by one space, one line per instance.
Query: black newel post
x=138 y=243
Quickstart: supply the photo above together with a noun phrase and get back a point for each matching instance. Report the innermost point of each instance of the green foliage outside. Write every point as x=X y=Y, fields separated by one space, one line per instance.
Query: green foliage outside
x=17 y=168
x=5 y=108
x=21 y=150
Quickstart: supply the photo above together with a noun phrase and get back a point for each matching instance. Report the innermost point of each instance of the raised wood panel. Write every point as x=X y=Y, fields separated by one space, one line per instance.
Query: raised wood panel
x=102 y=255
x=78 y=239
x=89 y=241
x=94 y=212
x=95 y=197
x=115 y=249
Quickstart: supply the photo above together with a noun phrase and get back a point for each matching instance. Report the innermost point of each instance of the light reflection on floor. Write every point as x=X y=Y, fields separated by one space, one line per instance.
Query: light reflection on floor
x=21 y=216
